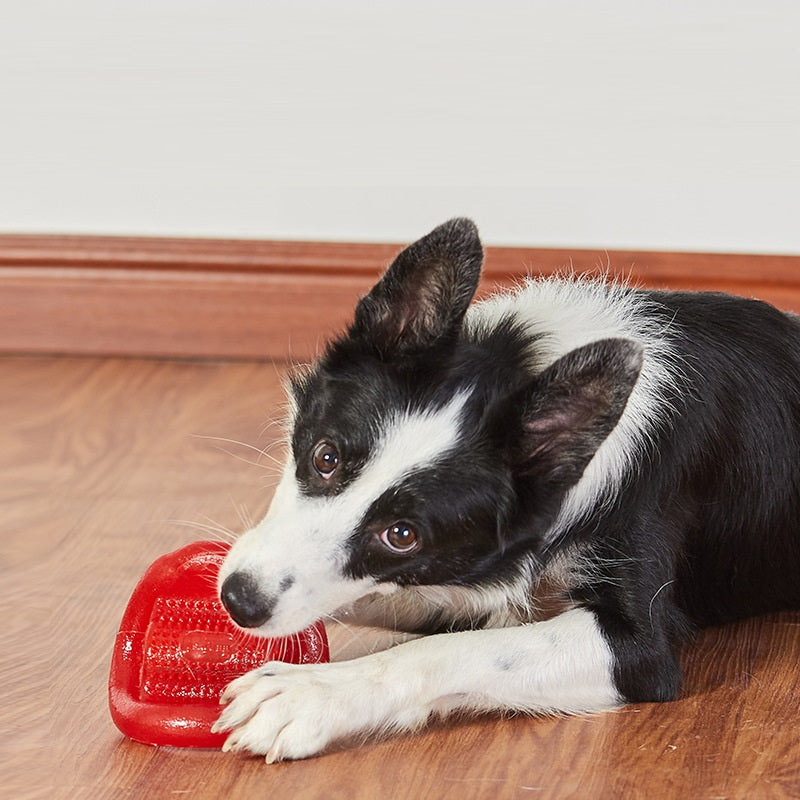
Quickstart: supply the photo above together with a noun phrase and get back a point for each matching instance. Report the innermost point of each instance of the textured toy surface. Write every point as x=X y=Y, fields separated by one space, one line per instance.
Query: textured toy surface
x=177 y=649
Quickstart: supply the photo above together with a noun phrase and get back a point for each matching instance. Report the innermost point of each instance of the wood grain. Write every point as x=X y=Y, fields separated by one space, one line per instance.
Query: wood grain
x=251 y=299
x=101 y=457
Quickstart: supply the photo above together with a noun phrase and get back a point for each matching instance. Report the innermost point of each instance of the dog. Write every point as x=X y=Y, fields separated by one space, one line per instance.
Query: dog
x=547 y=491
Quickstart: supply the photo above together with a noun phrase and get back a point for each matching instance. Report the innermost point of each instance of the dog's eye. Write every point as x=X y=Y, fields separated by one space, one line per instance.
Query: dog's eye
x=400 y=538
x=325 y=459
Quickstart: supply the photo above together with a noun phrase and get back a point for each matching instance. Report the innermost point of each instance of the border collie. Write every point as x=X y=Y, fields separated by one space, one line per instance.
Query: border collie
x=549 y=489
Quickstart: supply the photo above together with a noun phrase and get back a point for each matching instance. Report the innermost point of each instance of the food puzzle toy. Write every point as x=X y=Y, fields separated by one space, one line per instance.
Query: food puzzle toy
x=177 y=649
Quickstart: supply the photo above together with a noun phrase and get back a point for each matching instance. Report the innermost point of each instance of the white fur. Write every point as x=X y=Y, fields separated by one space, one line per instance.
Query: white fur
x=295 y=711
x=567 y=313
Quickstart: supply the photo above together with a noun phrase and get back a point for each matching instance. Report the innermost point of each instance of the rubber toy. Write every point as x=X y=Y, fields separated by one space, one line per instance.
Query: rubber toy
x=177 y=649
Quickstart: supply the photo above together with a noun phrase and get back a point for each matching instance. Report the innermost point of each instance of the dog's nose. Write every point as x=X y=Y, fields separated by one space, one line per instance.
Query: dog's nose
x=247 y=605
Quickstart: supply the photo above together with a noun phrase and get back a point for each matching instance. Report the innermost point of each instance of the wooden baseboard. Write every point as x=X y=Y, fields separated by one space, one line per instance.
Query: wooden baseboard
x=266 y=299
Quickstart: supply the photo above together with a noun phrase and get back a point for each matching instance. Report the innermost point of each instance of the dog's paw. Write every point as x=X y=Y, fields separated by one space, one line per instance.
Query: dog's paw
x=290 y=711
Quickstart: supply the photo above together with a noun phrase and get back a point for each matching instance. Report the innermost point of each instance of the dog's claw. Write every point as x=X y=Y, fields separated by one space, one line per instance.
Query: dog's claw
x=272 y=756
x=218 y=727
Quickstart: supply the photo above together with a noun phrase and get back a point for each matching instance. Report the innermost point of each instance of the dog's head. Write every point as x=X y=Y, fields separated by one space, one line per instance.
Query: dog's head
x=423 y=451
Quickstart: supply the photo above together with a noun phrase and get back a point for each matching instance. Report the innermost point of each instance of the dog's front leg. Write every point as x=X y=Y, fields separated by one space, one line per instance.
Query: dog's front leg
x=294 y=711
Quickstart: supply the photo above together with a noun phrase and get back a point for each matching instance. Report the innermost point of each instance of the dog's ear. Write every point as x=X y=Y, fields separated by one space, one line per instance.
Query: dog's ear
x=423 y=296
x=572 y=407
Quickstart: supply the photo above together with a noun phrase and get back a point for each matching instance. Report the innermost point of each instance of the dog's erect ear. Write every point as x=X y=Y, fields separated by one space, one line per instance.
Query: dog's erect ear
x=423 y=296
x=573 y=406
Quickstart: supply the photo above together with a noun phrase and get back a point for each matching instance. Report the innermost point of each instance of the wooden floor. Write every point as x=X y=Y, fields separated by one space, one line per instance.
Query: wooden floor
x=103 y=469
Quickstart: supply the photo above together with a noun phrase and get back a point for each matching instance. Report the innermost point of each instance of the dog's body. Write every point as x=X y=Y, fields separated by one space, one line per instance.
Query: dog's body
x=554 y=484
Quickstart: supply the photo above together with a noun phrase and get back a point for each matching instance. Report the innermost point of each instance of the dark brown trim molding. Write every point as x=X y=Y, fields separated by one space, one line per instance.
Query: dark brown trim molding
x=213 y=298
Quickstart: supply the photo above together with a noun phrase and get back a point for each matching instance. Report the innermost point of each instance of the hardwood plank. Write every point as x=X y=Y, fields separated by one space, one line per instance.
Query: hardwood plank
x=98 y=455
x=250 y=299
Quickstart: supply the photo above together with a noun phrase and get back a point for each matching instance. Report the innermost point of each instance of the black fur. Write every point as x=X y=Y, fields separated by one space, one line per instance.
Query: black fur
x=703 y=530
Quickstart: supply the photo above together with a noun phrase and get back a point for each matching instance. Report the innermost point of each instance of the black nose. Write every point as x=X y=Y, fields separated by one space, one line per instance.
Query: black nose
x=246 y=604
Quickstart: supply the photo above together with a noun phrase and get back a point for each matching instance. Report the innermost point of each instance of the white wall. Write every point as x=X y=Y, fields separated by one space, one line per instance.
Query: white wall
x=671 y=125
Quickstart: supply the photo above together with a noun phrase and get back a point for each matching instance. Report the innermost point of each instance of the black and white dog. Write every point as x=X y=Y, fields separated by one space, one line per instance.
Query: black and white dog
x=555 y=485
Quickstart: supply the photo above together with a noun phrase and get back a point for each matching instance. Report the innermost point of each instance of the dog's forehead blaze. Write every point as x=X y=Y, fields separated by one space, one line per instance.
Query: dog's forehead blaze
x=411 y=440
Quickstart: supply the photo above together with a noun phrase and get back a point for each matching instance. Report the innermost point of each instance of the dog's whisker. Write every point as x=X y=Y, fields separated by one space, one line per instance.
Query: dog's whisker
x=228 y=441
x=277 y=422
x=275 y=465
x=219 y=534
x=221 y=529
x=242 y=513
x=247 y=517
x=262 y=452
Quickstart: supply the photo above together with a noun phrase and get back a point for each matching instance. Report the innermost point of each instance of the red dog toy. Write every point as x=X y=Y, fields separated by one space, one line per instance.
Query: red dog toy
x=177 y=649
